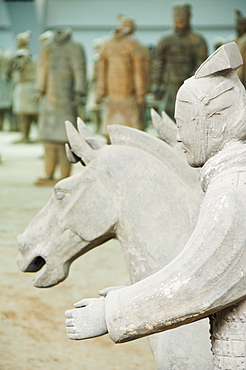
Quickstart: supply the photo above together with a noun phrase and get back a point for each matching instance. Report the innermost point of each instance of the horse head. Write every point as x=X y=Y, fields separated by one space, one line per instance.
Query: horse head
x=127 y=190
x=57 y=235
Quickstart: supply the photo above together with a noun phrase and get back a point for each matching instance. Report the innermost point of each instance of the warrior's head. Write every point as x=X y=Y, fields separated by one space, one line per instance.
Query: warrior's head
x=23 y=39
x=127 y=25
x=211 y=106
x=181 y=16
x=62 y=34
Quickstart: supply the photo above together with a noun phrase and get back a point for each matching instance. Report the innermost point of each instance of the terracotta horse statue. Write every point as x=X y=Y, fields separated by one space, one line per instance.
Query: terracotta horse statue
x=138 y=190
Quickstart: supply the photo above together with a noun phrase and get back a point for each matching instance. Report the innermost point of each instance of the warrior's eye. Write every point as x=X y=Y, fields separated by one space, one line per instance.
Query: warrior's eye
x=60 y=195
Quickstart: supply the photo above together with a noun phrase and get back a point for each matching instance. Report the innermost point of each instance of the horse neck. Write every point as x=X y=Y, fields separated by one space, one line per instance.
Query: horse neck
x=151 y=222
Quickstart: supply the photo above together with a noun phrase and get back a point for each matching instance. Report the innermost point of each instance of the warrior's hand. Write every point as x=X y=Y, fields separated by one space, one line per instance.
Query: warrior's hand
x=87 y=320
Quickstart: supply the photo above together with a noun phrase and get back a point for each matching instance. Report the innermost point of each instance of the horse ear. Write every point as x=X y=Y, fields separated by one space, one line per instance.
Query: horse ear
x=78 y=145
x=83 y=129
x=156 y=120
x=165 y=127
x=88 y=136
x=70 y=155
x=95 y=143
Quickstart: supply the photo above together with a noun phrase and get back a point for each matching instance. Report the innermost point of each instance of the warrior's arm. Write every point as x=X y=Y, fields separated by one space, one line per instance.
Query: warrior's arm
x=208 y=275
x=78 y=63
x=159 y=65
x=141 y=65
x=102 y=71
x=42 y=69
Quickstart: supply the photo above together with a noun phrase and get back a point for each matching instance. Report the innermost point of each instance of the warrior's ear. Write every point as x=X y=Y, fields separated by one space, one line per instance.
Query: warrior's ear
x=165 y=127
x=226 y=57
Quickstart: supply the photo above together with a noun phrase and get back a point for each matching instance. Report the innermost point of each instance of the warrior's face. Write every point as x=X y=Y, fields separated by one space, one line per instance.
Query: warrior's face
x=181 y=20
x=190 y=134
x=201 y=135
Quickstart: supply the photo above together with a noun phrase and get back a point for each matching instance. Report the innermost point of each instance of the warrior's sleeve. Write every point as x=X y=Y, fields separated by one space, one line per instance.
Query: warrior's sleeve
x=141 y=68
x=102 y=71
x=78 y=62
x=42 y=69
x=207 y=276
x=159 y=64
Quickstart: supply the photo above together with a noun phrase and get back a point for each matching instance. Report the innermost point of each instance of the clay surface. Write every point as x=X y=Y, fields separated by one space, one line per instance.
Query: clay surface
x=210 y=116
x=144 y=169
x=32 y=331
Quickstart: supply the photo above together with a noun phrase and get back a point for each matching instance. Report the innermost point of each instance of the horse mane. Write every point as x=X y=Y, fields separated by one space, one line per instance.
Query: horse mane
x=123 y=135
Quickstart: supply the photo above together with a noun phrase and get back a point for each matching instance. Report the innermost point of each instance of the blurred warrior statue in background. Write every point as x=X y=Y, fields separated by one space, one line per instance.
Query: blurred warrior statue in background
x=62 y=83
x=178 y=55
x=123 y=74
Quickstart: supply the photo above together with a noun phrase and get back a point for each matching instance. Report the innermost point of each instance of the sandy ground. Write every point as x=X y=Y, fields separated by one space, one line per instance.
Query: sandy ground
x=32 y=332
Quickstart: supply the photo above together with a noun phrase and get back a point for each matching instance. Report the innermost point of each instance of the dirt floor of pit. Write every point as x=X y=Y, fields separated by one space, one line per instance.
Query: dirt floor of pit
x=32 y=332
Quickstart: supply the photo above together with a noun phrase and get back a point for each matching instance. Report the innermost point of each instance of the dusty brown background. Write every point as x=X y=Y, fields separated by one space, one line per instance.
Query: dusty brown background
x=32 y=332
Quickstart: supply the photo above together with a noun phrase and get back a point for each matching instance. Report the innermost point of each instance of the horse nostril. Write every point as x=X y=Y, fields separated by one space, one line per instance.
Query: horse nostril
x=36 y=264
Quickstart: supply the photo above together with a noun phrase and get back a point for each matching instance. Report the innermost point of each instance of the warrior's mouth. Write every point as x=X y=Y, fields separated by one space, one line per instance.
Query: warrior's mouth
x=36 y=264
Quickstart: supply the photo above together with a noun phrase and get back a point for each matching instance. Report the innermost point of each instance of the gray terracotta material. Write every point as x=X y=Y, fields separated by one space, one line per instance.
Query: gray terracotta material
x=165 y=127
x=129 y=191
x=61 y=81
x=207 y=278
x=61 y=85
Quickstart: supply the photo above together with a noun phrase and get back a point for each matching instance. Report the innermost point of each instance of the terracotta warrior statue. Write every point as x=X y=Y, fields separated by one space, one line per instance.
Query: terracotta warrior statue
x=208 y=277
x=179 y=53
x=61 y=82
x=123 y=73
x=24 y=74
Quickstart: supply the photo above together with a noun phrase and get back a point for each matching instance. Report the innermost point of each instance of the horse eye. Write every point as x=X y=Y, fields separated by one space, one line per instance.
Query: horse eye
x=60 y=195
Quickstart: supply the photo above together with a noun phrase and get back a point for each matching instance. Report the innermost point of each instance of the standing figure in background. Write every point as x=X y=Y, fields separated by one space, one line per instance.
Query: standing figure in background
x=62 y=84
x=44 y=37
x=178 y=55
x=6 y=89
x=24 y=76
x=92 y=106
x=123 y=77
x=241 y=43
